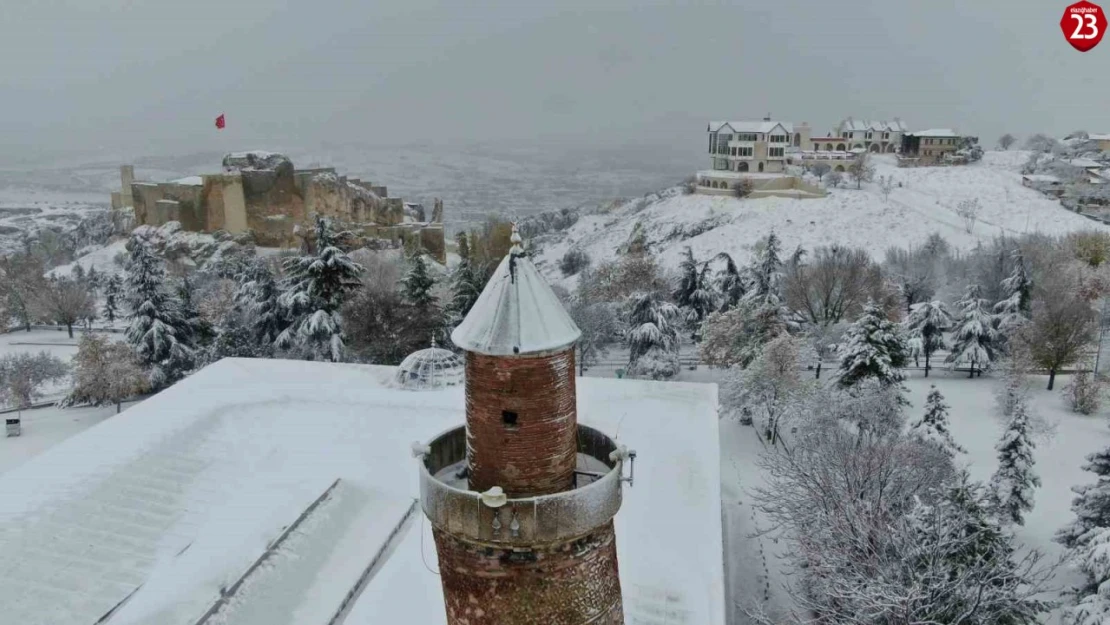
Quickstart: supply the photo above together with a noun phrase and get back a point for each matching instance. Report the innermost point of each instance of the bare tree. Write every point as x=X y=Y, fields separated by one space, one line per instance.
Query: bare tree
x=968 y=210
x=771 y=388
x=914 y=271
x=820 y=169
x=1041 y=142
x=834 y=285
x=105 y=373
x=20 y=280
x=834 y=179
x=599 y=324
x=886 y=185
x=1006 y=140
x=23 y=375
x=65 y=301
x=1063 y=324
x=861 y=170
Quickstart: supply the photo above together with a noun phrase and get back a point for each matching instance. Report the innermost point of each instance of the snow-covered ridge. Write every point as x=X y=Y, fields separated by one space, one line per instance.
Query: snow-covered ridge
x=924 y=200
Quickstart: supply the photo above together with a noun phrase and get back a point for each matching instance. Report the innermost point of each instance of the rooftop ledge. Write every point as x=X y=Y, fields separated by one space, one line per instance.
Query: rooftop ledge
x=527 y=521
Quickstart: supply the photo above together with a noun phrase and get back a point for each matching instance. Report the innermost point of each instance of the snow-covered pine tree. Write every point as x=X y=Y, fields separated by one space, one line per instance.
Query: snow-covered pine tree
x=731 y=283
x=873 y=349
x=1087 y=539
x=416 y=286
x=315 y=286
x=933 y=426
x=974 y=336
x=766 y=273
x=652 y=337
x=158 y=333
x=464 y=291
x=1014 y=480
x=1017 y=306
x=199 y=330
x=260 y=300
x=694 y=293
x=113 y=294
x=926 y=325
x=1091 y=504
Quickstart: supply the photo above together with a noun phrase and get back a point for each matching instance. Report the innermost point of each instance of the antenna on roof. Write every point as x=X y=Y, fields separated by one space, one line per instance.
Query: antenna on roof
x=768 y=118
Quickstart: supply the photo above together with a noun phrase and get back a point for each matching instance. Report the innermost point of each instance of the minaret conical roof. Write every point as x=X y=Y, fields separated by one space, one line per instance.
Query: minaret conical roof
x=517 y=312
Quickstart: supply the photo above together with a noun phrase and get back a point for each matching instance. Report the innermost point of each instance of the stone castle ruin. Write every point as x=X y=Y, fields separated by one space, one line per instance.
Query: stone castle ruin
x=264 y=194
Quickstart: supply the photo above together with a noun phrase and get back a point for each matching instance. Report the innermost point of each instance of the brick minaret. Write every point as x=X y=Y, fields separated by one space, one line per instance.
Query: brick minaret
x=528 y=537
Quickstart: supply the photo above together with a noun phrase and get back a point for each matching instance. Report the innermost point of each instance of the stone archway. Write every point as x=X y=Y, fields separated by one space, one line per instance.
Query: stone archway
x=829 y=147
x=875 y=148
x=743 y=166
x=890 y=148
x=840 y=147
x=839 y=168
x=857 y=145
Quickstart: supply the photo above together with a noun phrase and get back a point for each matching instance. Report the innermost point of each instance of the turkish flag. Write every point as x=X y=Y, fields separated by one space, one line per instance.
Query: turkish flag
x=220 y=122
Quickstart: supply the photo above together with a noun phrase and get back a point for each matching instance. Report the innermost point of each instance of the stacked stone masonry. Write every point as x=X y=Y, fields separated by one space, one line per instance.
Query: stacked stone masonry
x=270 y=198
x=521 y=422
x=571 y=583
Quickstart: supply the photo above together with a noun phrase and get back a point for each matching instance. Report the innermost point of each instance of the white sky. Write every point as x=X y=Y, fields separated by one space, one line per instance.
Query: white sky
x=150 y=76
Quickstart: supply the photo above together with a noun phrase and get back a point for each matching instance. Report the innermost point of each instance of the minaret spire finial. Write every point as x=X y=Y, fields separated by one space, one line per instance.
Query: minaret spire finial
x=516 y=249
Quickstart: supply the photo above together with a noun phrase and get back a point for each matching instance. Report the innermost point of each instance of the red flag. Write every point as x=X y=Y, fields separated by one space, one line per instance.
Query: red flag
x=220 y=122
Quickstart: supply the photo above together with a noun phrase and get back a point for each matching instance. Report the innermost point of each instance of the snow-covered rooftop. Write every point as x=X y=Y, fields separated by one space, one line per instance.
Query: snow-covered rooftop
x=169 y=503
x=193 y=181
x=896 y=125
x=1041 y=178
x=751 y=126
x=517 y=312
x=935 y=132
x=1085 y=163
x=1099 y=137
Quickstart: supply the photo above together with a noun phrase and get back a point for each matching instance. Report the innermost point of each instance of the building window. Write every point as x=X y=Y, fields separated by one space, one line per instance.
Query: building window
x=886 y=135
x=779 y=139
x=775 y=152
x=720 y=163
x=745 y=151
x=867 y=136
x=829 y=147
x=840 y=146
x=843 y=135
x=508 y=417
x=732 y=151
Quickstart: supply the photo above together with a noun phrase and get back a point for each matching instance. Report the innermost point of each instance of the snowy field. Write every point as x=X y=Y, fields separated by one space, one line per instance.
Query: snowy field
x=925 y=203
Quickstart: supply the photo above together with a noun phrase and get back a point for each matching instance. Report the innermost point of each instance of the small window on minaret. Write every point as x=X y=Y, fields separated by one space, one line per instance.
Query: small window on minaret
x=508 y=417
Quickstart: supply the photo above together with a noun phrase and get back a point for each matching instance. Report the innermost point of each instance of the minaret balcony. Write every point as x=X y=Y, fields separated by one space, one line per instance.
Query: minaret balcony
x=495 y=519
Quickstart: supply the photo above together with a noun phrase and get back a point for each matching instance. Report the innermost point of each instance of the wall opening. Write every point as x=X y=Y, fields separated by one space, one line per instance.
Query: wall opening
x=509 y=418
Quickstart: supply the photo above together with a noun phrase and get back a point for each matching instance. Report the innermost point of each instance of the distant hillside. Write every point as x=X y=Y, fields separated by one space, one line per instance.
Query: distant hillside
x=925 y=203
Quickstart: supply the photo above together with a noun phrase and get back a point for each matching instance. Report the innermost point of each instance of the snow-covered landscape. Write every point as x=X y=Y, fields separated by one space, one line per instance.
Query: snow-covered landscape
x=536 y=313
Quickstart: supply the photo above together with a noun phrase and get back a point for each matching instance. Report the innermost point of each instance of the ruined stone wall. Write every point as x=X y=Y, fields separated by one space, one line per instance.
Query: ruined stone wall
x=190 y=210
x=273 y=204
x=521 y=422
x=572 y=583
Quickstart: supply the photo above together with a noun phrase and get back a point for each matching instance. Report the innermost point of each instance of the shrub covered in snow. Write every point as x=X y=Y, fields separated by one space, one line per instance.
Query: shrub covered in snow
x=574 y=261
x=1084 y=393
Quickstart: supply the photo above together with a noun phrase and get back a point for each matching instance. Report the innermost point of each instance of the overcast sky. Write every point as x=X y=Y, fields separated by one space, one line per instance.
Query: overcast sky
x=150 y=76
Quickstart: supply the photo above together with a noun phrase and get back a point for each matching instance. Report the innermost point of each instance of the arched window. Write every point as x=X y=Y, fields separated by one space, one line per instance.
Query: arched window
x=840 y=146
x=761 y=167
x=743 y=166
x=890 y=148
x=839 y=168
x=875 y=148
x=828 y=146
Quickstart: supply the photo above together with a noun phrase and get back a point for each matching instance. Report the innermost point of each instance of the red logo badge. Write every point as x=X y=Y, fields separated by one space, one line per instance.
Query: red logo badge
x=1083 y=24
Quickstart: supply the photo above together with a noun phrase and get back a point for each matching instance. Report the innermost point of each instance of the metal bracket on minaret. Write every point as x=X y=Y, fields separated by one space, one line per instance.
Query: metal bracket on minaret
x=621 y=454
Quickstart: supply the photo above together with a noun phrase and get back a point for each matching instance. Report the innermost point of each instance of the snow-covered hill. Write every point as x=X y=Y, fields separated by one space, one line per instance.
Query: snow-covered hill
x=925 y=203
